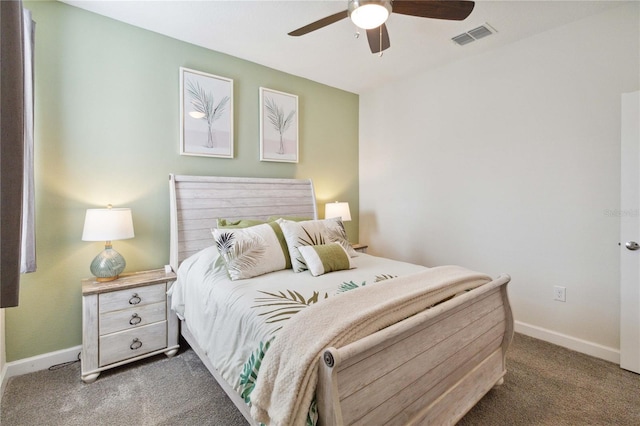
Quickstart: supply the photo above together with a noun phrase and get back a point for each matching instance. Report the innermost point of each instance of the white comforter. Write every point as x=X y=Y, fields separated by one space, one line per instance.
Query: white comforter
x=230 y=319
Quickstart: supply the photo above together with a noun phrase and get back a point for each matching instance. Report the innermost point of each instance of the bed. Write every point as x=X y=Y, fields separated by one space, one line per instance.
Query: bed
x=438 y=352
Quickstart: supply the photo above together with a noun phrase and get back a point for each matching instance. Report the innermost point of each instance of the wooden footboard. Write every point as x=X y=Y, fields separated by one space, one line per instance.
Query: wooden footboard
x=428 y=369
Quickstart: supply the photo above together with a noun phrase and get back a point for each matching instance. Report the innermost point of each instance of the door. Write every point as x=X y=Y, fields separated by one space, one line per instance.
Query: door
x=630 y=234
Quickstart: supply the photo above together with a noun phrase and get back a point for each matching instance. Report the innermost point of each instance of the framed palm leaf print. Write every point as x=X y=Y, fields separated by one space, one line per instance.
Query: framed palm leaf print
x=206 y=114
x=278 y=126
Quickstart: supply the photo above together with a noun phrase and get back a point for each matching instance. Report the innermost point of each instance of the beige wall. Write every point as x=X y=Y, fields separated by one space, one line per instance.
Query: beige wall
x=107 y=131
x=510 y=162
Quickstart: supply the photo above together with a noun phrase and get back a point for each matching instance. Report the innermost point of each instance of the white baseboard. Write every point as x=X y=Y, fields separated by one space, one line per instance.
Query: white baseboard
x=41 y=362
x=569 y=342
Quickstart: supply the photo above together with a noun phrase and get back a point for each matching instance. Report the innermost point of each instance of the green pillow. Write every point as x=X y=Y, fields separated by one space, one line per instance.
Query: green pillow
x=240 y=223
x=324 y=258
x=291 y=218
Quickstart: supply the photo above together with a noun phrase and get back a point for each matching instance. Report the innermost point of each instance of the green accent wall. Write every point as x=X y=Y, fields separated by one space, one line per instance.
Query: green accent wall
x=107 y=131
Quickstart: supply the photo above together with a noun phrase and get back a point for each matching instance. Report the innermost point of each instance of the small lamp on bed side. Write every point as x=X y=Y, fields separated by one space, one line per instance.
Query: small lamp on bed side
x=107 y=225
x=337 y=209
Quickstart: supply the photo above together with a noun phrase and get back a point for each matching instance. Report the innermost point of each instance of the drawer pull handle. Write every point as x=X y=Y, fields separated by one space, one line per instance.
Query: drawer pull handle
x=135 y=319
x=136 y=344
x=135 y=299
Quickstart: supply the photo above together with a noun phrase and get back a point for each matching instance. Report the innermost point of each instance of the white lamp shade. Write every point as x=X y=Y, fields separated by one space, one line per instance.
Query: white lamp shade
x=369 y=14
x=107 y=225
x=337 y=209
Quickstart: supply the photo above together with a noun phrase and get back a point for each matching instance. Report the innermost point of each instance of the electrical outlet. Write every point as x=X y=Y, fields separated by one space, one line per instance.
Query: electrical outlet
x=560 y=293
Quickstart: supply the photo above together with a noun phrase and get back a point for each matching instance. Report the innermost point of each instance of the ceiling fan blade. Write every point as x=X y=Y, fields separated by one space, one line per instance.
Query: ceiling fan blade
x=320 y=23
x=376 y=43
x=437 y=9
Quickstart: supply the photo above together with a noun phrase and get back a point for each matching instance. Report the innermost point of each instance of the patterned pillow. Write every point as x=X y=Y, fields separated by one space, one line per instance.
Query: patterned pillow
x=312 y=233
x=249 y=252
x=325 y=258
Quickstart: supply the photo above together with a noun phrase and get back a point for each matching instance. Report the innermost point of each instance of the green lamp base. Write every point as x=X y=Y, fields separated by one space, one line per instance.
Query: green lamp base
x=108 y=264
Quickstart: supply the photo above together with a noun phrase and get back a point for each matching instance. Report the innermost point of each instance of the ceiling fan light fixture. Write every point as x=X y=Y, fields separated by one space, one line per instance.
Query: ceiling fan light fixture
x=369 y=14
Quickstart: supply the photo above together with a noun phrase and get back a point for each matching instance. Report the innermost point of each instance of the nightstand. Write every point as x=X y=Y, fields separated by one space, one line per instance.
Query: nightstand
x=125 y=320
x=362 y=248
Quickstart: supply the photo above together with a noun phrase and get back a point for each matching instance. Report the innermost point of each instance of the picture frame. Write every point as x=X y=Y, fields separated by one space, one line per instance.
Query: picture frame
x=278 y=126
x=206 y=114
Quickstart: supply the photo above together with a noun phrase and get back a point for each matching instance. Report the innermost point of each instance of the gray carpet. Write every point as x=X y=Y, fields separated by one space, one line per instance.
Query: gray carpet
x=545 y=385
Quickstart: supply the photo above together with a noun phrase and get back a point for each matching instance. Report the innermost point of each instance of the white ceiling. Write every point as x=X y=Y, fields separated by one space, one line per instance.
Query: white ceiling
x=257 y=31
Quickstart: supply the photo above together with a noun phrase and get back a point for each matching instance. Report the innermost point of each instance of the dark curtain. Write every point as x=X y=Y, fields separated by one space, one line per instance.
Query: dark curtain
x=11 y=149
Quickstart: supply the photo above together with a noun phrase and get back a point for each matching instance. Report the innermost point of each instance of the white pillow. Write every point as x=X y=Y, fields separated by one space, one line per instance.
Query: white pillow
x=312 y=233
x=325 y=258
x=249 y=252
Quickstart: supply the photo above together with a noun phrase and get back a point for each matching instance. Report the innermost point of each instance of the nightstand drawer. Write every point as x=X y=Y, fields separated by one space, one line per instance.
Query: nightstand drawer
x=129 y=298
x=137 y=316
x=131 y=343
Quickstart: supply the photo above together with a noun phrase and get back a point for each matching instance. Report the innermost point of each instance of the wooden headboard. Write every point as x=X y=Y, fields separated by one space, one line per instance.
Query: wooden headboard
x=196 y=202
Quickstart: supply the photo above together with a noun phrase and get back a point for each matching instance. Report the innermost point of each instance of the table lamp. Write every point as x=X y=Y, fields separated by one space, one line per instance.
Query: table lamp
x=337 y=209
x=107 y=225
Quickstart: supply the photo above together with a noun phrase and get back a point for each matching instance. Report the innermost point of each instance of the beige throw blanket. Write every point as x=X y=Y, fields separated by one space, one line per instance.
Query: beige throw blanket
x=289 y=372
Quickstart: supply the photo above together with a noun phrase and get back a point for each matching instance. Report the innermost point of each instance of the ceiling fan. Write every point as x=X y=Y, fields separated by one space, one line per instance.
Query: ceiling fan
x=371 y=15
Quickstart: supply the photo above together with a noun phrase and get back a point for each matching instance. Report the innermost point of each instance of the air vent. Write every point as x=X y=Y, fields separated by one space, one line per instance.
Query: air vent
x=463 y=39
x=472 y=35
